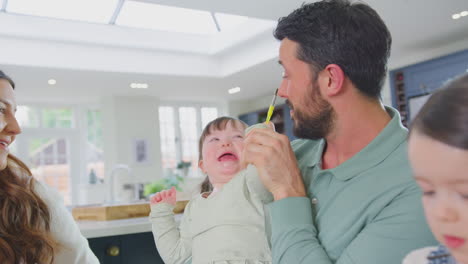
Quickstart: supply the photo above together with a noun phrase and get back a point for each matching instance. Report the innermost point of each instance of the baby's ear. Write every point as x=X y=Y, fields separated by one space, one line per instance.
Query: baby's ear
x=200 y=165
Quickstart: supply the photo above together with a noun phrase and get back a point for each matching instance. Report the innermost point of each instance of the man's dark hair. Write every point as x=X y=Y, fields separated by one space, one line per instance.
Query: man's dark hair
x=7 y=78
x=353 y=36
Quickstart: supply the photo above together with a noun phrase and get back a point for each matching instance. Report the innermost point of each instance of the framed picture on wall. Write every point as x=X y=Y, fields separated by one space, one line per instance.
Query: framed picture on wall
x=140 y=151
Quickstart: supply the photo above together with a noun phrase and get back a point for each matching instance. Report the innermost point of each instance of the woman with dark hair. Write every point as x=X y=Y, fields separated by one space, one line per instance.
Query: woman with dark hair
x=35 y=226
x=438 y=152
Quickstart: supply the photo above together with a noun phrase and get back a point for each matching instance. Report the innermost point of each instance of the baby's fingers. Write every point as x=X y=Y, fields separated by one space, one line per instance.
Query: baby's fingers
x=172 y=191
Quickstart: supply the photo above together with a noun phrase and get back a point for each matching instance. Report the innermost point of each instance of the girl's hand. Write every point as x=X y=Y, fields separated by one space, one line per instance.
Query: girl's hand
x=166 y=196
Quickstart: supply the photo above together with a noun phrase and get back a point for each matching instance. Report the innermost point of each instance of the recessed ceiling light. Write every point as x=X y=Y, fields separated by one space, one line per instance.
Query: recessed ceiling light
x=139 y=85
x=460 y=15
x=234 y=90
x=52 y=82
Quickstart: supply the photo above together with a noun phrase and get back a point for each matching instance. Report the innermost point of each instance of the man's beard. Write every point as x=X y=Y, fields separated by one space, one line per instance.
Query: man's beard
x=310 y=125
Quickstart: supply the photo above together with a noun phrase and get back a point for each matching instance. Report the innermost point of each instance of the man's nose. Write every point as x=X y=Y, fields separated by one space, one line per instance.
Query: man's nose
x=283 y=89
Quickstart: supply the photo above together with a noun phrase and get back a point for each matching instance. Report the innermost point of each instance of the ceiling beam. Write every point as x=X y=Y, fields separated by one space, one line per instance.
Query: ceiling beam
x=116 y=13
x=4 y=5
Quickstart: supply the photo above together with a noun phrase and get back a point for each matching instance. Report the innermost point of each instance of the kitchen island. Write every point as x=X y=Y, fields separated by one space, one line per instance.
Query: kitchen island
x=122 y=241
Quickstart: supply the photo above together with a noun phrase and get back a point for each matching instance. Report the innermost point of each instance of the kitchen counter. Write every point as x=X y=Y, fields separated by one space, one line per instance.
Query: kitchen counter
x=93 y=229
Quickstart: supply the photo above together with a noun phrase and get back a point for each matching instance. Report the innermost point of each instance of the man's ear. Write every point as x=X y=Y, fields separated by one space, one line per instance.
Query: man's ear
x=332 y=79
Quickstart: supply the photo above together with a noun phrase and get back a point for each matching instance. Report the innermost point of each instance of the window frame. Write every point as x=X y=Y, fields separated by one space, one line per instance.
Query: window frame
x=198 y=106
x=77 y=137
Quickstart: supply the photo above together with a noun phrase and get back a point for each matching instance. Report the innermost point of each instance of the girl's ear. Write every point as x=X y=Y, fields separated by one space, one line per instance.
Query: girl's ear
x=200 y=165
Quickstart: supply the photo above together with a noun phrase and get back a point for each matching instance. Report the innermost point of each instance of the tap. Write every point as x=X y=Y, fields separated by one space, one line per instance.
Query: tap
x=110 y=195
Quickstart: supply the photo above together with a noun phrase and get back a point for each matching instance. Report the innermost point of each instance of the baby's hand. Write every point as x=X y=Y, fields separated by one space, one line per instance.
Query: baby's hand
x=166 y=196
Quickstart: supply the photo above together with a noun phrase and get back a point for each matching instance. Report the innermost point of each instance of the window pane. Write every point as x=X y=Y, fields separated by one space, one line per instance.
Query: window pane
x=188 y=130
x=50 y=163
x=166 y=18
x=57 y=118
x=83 y=10
x=227 y=22
x=27 y=116
x=94 y=152
x=208 y=114
x=167 y=137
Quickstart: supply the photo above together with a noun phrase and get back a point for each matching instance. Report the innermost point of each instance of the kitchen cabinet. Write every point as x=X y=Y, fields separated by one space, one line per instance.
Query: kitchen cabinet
x=136 y=248
x=281 y=118
x=423 y=78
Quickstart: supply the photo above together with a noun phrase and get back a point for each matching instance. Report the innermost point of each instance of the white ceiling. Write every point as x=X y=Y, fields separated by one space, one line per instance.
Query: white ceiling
x=90 y=60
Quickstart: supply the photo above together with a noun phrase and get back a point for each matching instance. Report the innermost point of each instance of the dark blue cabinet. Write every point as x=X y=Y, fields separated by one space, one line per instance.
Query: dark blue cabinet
x=250 y=118
x=423 y=78
x=428 y=76
x=126 y=249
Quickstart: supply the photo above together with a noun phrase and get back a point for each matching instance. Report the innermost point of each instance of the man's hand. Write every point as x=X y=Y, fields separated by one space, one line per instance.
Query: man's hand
x=166 y=196
x=276 y=163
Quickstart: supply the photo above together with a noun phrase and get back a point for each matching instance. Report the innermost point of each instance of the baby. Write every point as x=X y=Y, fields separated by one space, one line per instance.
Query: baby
x=226 y=222
x=438 y=152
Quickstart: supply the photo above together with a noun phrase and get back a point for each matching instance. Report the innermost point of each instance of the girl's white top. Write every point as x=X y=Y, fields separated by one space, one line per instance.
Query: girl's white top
x=229 y=226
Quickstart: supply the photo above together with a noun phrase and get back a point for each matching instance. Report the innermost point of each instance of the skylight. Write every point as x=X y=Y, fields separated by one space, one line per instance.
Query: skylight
x=83 y=10
x=165 y=18
x=227 y=22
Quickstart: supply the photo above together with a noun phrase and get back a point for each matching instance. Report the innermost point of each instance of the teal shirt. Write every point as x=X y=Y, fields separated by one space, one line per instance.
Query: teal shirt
x=365 y=211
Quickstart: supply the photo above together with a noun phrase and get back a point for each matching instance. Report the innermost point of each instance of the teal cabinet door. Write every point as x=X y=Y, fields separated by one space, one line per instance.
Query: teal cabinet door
x=126 y=249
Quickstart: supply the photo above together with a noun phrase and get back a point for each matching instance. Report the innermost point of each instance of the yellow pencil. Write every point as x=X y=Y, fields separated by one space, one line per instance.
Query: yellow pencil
x=272 y=107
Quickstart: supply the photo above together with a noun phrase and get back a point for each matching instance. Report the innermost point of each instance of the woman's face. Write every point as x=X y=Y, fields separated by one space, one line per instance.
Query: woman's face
x=442 y=173
x=9 y=127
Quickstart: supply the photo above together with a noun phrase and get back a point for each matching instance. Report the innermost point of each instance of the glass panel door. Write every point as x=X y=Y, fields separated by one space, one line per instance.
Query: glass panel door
x=49 y=161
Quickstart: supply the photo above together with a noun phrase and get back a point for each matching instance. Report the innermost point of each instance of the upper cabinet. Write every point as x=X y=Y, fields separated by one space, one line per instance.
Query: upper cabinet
x=423 y=78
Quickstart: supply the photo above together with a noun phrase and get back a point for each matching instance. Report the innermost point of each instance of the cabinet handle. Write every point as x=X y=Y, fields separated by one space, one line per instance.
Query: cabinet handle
x=113 y=251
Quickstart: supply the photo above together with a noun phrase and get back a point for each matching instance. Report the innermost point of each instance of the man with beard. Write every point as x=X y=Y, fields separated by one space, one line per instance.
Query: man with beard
x=343 y=192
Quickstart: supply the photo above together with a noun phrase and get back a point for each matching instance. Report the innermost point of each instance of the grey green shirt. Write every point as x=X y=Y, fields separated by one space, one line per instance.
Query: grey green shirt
x=365 y=211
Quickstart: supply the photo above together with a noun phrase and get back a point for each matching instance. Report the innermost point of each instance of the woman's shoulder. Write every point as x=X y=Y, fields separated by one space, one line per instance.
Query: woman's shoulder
x=419 y=256
x=47 y=193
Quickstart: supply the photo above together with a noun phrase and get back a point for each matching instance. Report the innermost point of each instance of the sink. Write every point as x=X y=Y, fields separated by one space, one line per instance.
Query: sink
x=106 y=212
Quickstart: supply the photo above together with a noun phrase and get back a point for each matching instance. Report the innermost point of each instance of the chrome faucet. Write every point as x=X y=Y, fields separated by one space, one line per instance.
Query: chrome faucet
x=110 y=195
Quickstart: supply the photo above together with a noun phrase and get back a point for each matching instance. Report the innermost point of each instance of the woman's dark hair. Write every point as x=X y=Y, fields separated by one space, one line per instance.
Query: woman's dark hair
x=352 y=36
x=444 y=117
x=24 y=217
x=7 y=78
x=219 y=123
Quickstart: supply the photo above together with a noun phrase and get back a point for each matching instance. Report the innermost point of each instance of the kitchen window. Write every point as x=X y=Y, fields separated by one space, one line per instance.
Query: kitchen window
x=180 y=128
x=51 y=144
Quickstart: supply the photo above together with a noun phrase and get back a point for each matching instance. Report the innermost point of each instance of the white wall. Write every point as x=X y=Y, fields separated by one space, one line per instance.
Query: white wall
x=124 y=120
